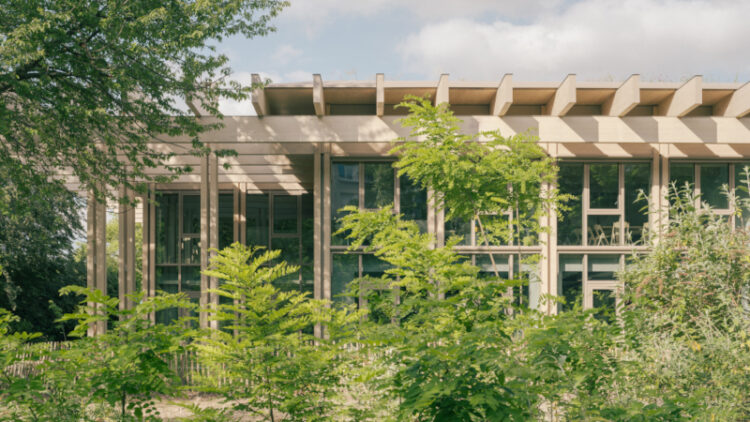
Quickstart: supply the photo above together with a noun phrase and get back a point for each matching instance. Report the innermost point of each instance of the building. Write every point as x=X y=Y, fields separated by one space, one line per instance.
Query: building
x=316 y=146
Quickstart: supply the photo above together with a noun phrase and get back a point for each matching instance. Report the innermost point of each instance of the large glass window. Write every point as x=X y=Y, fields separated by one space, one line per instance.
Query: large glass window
x=284 y=222
x=589 y=280
x=605 y=210
x=178 y=247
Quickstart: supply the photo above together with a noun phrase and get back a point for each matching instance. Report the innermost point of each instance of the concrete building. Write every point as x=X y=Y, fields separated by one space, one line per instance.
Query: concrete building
x=316 y=146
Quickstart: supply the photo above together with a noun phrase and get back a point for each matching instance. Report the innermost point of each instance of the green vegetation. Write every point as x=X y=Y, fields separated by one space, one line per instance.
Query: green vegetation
x=439 y=341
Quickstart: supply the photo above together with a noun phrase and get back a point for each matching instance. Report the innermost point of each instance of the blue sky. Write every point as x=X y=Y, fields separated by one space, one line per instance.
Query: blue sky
x=536 y=40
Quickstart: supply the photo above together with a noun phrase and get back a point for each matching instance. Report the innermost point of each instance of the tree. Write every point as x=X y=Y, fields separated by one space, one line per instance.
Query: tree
x=272 y=364
x=38 y=222
x=87 y=86
x=456 y=347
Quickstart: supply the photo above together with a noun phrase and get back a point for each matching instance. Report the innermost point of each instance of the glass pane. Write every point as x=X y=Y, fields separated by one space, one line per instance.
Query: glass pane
x=413 y=202
x=603 y=267
x=742 y=189
x=344 y=191
x=345 y=269
x=290 y=254
x=285 y=214
x=456 y=227
x=603 y=185
x=256 y=217
x=680 y=174
x=713 y=178
x=378 y=184
x=570 y=181
x=191 y=214
x=527 y=294
x=167 y=228
x=570 y=284
x=373 y=266
x=604 y=230
x=191 y=250
x=486 y=269
x=226 y=219
x=191 y=279
x=308 y=222
x=167 y=279
x=637 y=178
x=605 y=302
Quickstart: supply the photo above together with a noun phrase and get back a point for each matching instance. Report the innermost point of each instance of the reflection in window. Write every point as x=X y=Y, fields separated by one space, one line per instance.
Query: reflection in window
x=379 y=184
x=167 y=228
x=570 y=281
x=570 y=181
x=256 y=219
x=637 y=178
x=713 y=178
x=603 y=267
x=604 y=185
x=413 y=202
x=345 y=269
x=682 y=174
x=191 y=214
x=226 y=219
x=284 y=214
x=458 y=227
x=344 y=191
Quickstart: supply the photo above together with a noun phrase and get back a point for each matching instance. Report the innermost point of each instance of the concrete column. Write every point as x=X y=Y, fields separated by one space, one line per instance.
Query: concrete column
x=126 y=279
x=317 y=232
x=96 y=260
x=209 y=230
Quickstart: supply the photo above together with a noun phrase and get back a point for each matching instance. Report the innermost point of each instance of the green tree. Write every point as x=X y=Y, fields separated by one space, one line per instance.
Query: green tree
x=87 y=86
x=272 y=365
x=456 y=349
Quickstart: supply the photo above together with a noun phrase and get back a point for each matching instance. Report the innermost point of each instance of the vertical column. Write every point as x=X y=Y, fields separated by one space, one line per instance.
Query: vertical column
x=326 y=232
x=664 y=189
x=96 y=259
x=148 y=270
x=548 y=260
x=317 y=231
x=213 y=220
x=209 y=230
x=126 y=217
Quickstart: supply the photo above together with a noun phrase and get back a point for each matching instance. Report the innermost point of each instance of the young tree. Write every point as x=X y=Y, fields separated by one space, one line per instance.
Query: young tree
x=87 y=86
x=456 y=348
x=274 y=367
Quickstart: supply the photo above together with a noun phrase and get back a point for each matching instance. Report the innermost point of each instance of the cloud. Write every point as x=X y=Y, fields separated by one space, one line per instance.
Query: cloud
x=285 y=54
x=669 y=40
x=316 y=14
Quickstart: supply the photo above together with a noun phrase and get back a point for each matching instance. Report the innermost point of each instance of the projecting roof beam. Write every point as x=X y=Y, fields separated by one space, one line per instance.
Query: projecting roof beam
x=503 y=96
x=196 y=106
x=684 y=100
x=442 y=96
x=564 y=98
x=737 y=105
x=318 y=100
x=627 y=96
x=260 y=102
x=379 y=94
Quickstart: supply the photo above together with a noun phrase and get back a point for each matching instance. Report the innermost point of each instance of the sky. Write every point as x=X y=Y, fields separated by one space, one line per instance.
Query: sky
x=535 y=40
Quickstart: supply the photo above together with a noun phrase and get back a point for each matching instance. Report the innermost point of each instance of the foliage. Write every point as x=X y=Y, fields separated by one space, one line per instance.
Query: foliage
x=38 y=222
x=86 y=87
x=274 y=367
x=127 y=366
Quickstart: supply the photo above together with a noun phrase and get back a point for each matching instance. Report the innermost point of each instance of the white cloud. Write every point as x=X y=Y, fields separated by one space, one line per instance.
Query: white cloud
x=595 y=39
x=285 y=54
x=316 y=14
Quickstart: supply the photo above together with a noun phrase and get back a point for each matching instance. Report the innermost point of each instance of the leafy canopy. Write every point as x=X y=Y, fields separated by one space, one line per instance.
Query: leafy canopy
x=89 y=85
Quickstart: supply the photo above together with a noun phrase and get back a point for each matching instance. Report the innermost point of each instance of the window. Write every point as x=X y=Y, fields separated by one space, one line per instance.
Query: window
x=178 y=247
x=284 y=222
x=507 y=267
x=605 y=210
x=589 y=280
x=368 y=185
x=708 y=180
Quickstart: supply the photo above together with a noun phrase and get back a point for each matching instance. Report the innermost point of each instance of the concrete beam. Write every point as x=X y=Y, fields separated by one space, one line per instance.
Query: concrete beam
x=318 y=99
x=627 y=96
x=737 y=105
x=503 y=96
x=442 y=95
x=260 y=102
x=379 y=94
x=564 y=98
x=684 y=100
